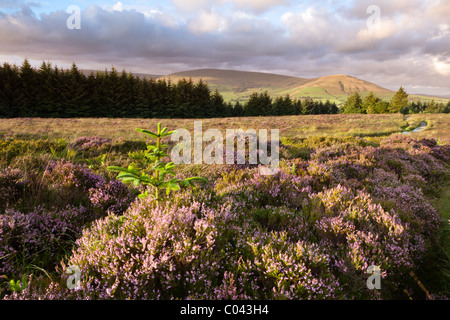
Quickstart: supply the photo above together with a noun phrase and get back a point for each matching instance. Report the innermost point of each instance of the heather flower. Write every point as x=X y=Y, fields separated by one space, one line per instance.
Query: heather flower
x=11 y=186
x=65 y=175
x=86 y=143
x=40 y=237
x=113 y=196
x=311 y=231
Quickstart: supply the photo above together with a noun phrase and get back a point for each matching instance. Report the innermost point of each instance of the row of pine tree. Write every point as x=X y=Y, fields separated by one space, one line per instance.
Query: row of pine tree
x=399 y=103
x=51 y=92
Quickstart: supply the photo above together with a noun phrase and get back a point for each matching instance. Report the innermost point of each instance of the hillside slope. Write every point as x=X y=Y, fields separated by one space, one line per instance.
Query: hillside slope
x=239 y=85
x=342 y=84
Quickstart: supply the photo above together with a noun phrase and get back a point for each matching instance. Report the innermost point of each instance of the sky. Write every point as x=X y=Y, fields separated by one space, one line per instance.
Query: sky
x=390 y=43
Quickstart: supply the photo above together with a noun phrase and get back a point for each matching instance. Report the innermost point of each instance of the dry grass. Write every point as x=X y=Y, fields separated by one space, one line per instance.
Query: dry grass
x=290 y=126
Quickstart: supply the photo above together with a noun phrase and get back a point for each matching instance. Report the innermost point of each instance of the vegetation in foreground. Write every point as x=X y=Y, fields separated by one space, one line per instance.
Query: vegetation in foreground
x=338 y=206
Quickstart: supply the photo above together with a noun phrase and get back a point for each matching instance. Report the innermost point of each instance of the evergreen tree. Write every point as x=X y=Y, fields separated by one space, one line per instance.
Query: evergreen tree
x=29 y=81
x=75 y=93
x=369 y=103
x=308 y=106
x=282 y=106
x=353 y=104
x=126 y=99
x=140 y=101
x=265 y=104
x=202 y=100
x=101 y=94
x=434 y=107
x=91 y=99
x=297 y=107
x=238 y=110
x=277 y=106
x=258 y=105
x=228 y=110
x=420 y=107
x=319 y=107
x=218 y=104
x=45 y=95
x=9 y=90
x=330 y=108
x=398 y=101
x=381 y=107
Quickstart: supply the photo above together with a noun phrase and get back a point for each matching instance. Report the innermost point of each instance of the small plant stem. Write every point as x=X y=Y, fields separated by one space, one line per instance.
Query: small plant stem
x=158 y=145
x=419 y=283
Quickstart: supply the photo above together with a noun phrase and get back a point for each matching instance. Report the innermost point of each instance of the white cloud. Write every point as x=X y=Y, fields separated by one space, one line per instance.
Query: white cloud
x=385 y=29
x=255 y=6
x=308 y=27
x=118 y=6
x=191 y=5
x=442 y=66
x=258 y=6
x=206 y=21
x=444 y=30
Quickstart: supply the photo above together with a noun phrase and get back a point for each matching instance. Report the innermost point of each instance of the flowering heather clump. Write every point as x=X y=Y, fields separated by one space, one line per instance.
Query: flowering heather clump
x=266 y=253
x=113 y=196
x=40 y=237
x=407 y=156
x=158 y=253
x=70 y=183
x=11 y=186
x=291 y=270
x=197 y=252
x=334 y=166
x=311 y=231
x=422 y=217
x=62 y=174
x=360 y=233
x=86 y=143
x=281 y=188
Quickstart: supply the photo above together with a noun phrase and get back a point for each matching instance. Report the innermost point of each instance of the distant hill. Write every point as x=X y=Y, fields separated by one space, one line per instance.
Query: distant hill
x=239 y=81
x=140 y=75
x=342 y=84
x=239 y=85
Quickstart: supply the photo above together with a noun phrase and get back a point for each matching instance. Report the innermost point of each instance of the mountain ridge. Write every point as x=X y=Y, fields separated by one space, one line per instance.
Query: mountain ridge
x=239 y=85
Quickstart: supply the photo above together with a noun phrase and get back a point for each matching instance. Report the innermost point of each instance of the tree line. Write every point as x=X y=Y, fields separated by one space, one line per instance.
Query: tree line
x=263 y=104
x=399 y=103
x=52 y=92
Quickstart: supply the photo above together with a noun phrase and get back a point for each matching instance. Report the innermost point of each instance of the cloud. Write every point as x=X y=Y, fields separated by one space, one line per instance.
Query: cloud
x=118 y=6
x=442 y=65
x=255 y=6
x=192 y=5
x=411 y=47
x=206 y=21
x=243 y=5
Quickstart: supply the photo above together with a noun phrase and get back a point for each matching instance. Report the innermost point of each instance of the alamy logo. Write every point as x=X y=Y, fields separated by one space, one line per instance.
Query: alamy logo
x=73 y=281
x=213 y=153
x=374 y=281
x=74 y=20
x=374 y=21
